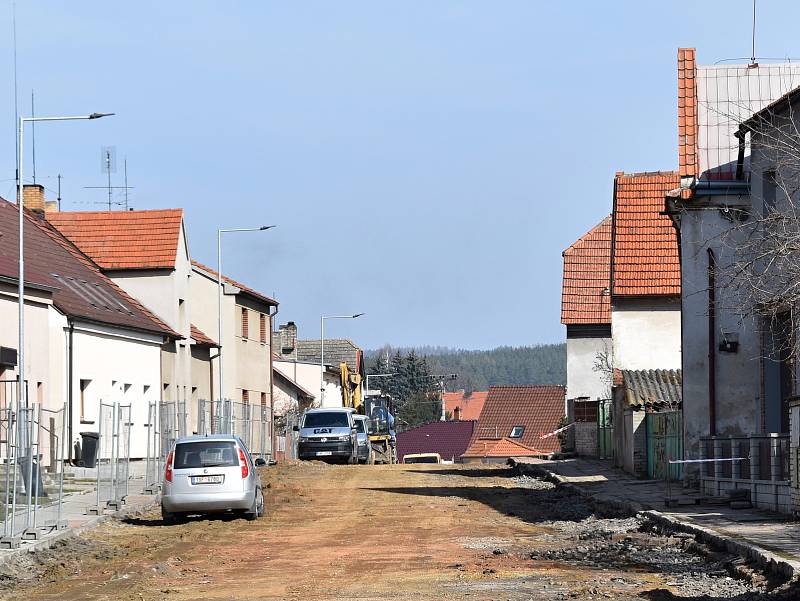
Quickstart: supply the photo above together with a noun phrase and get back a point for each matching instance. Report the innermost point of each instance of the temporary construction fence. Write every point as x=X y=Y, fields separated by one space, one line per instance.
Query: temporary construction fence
x=113 y=458
x=252 y=423
x=286 y=439
x=153 y=461
x=32 y=448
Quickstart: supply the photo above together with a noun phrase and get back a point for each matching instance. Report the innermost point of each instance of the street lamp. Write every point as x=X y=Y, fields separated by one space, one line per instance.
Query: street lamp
x=219 y=289
x=21 y=393
x=21 y=400
x=322 y=319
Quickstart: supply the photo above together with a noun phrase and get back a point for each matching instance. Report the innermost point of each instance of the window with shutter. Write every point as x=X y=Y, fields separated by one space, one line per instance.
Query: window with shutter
x=263 y=324
x=245 y=396
x=245 y=325
x=263 y=399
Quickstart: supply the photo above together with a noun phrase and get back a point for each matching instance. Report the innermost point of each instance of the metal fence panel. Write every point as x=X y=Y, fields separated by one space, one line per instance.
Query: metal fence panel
x=152 y=472
x=122 y=450
x=664 y=443
x=105 y=456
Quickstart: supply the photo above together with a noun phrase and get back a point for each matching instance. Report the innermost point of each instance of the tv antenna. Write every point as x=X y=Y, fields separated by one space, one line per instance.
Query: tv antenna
x=108 y=165
x=753 y=56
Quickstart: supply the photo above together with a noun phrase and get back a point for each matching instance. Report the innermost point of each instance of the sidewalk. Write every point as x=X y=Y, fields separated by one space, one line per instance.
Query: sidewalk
x=74 y=512
x=770 y=539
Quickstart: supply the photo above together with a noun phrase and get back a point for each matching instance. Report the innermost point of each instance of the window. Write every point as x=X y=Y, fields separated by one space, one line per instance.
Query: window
x=84 y=385
x=245 y=327
x=263 y=326
x=39 y=393
x=770 y=192
x=245 y=396
x=165 y=394
x=181 y=312
x=516 y=431
x=263 y=399
x=586 y=411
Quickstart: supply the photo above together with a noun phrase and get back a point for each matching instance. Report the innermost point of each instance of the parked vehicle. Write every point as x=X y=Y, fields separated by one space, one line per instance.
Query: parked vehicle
x=365 y=454
x=210 y=474
x=328 y=434
x=423 y=458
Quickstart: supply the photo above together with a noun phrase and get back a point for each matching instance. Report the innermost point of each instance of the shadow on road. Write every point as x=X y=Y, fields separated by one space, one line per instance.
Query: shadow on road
x=505 y=472
x=526 y=504
x=660 y=594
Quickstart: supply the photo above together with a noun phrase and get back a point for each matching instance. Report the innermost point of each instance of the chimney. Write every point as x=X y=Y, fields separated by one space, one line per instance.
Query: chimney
x=457 y=414
x=288 y=337
x=33 y=197
x=51 y=206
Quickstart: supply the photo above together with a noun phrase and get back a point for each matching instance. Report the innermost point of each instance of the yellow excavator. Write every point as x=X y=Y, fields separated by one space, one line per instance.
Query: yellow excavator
x=379 y=410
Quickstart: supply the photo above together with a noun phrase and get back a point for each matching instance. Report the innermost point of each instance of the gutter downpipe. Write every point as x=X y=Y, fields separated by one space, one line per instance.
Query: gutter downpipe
x=712 y=356
x=272 y=438
x=70 y=371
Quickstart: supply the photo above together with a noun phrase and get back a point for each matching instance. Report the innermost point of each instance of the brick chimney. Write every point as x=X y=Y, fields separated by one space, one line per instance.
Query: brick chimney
x=51 y=206
x=457 y=414
x=33 y=197
x=288 y=338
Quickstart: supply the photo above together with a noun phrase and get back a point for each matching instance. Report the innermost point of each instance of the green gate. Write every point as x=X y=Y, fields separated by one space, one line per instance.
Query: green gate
x=605 y=430
x=664 y=443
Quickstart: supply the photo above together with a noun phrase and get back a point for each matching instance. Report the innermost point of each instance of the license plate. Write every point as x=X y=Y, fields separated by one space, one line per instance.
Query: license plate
x=206 y=479
x=324 y=453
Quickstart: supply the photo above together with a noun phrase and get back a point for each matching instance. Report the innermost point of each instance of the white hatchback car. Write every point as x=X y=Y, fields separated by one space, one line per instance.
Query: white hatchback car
x=210 y=474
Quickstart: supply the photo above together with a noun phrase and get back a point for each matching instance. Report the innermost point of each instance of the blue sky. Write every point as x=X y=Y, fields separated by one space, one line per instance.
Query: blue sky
x=425 y=162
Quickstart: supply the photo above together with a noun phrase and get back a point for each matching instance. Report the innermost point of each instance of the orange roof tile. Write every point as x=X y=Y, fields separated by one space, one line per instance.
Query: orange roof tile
x=232 y=282
x=643 y=241
x=687 y=113
x=585 y=297
x=502 y=447
x=123 y=239
x=201 y=338
x=469 y=407
x=537 y=408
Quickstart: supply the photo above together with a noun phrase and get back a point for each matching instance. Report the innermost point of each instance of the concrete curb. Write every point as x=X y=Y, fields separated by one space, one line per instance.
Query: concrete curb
x=50 y=540
x=767 y=561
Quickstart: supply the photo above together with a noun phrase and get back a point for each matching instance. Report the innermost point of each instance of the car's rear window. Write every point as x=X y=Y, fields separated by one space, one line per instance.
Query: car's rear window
x=206 y=453
x=332 y=419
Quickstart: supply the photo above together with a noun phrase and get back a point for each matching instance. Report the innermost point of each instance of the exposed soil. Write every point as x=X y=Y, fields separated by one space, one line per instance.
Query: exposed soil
x=388 y=532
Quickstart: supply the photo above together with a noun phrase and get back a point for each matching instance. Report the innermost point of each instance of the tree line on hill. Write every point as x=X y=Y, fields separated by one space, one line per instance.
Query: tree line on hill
x=415 y=374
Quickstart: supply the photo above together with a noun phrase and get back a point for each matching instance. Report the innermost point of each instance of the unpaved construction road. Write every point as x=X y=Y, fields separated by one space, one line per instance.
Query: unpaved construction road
x=387 y=532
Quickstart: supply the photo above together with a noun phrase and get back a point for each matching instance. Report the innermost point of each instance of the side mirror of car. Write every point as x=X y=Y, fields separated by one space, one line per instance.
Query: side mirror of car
x=295 y=428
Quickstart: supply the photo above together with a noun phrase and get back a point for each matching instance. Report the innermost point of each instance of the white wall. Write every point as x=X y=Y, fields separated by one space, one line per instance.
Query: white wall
x=307 y=376
x=118 y=364
x=583 y=380
x=646 y=333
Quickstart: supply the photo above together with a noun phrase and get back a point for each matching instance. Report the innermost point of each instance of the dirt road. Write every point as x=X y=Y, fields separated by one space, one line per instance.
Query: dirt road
x=380 y=532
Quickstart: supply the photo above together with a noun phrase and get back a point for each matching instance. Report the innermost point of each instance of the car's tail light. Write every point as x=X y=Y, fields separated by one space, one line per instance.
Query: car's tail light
x=168 y=469
x=245 y=469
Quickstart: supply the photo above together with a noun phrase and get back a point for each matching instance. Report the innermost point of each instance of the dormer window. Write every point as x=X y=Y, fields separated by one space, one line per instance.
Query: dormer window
x=516 y=432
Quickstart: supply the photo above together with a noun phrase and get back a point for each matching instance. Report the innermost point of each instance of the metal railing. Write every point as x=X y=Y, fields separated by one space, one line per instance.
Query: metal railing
x=252 y=423
x=113 y=458
x=32 y=447
x=764 y=457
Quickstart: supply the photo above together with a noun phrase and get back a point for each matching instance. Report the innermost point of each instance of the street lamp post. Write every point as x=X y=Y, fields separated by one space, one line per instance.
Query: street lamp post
x=219 y=290
x=21 y=400
x=322 y=319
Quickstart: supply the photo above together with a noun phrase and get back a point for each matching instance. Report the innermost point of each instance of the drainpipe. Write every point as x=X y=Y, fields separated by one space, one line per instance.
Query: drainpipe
x=271 y=388
x=68 y=417
x=712 y=351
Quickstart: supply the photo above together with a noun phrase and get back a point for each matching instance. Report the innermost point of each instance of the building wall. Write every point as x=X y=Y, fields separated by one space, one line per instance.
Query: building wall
x=738 y=402
x=115 y=365
x=307 y=376
x=586 y=439
x=37 y=342
x=583 y=380
x=167 y=292
x=646 y=333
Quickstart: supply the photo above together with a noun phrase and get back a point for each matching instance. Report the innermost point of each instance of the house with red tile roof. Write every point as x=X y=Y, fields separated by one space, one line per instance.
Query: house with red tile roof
x=514 y=422
x=449 y=438
x=586 y=313
x=462 y=406
x=246 y=342
x=87 y=339
x=147 y=254
x=735 y=382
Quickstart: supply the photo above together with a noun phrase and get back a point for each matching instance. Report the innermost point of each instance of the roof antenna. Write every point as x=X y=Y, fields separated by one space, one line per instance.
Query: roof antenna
x=33 y=137
x=58 y=198
x=753 y=62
